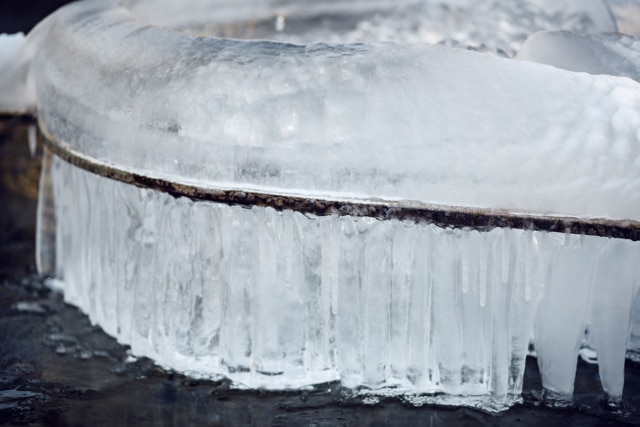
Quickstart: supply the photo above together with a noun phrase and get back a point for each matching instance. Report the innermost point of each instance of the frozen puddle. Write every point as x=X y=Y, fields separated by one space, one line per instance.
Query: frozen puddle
x=363 y=198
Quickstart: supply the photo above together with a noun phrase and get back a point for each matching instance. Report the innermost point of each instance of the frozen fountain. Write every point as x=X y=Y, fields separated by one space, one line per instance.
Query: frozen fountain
x=379 y=194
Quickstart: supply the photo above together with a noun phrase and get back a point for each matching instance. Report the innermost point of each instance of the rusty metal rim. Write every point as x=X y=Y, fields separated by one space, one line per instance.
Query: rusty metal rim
x=442 y=216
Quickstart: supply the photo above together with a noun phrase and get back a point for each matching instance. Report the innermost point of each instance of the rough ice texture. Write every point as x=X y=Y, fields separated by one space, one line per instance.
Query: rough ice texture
x=281 y=300
x=278 y=299
x=614 y=54
x=416 y=122
x=489 y=26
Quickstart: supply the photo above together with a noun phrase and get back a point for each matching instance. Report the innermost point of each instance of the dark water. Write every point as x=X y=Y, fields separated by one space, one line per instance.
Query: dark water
x=56 y=369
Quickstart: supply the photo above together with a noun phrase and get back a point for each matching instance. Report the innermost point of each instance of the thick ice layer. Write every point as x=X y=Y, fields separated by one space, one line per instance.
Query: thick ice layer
x=279 y=299
x=614 y=54
x=414 y=122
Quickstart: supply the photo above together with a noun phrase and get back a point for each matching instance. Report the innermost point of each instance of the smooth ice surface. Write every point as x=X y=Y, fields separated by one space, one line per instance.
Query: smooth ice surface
x=395 y=121
x=281 y=300
x=614 y=54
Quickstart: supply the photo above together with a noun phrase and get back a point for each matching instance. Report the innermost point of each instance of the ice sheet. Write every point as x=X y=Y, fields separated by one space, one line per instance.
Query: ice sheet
x=416 y=122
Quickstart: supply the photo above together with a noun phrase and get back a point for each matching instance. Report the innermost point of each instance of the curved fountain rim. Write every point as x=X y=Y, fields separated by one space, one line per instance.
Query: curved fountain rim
x=457 y=217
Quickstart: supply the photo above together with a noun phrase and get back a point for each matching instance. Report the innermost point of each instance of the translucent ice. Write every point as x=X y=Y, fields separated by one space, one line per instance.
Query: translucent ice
x=614 y=54
x=416 y=122
x=280 y=298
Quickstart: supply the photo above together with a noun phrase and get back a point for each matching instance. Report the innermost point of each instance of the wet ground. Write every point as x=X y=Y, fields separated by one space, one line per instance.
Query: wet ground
x=56 y=369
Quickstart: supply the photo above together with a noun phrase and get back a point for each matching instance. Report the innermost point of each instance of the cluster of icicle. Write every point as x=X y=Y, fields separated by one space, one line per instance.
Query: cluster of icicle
x=281 y=300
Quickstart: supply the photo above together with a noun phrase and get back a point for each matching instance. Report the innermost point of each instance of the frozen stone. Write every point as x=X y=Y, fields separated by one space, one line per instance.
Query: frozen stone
x=283 y=299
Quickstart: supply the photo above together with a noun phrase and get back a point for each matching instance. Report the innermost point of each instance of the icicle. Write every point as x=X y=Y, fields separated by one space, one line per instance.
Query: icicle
x=46 y=220
x=505 y=254
x=402 y=283
x=394 y=283
x=334 y=261
x=501 y=331
x=465 y=259
x=33 y=141
x=528 y=262
x=613 y=289
x=567 y=237
x=562 y=315
x=483 y=261
x=288 y=243
x=376 y=293
x=543 y=257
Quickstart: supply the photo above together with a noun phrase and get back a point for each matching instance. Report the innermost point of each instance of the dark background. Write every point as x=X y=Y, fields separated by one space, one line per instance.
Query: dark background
x=22 y=15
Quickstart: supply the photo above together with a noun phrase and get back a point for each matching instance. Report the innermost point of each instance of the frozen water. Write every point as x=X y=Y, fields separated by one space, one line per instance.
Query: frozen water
x=414 y=122
x=280 y=299
x=614 y=54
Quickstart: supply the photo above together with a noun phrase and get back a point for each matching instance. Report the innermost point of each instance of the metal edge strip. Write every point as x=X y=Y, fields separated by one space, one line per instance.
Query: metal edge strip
x=442 y=216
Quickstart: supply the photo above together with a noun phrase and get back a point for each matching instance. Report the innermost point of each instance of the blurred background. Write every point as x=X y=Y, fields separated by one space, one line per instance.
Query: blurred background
x=22 y=15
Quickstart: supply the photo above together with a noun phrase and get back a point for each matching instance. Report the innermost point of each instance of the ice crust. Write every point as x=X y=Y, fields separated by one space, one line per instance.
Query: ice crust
x=277 y=299
x=417 y=122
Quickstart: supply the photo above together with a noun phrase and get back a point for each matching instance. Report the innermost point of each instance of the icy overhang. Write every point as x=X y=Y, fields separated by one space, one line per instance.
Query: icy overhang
x=391 y=121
